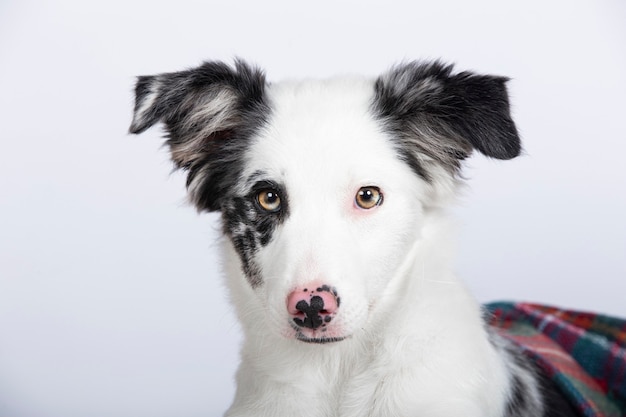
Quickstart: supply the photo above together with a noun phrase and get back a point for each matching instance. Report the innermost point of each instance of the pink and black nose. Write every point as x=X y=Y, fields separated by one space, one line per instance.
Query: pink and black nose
x=314 y=306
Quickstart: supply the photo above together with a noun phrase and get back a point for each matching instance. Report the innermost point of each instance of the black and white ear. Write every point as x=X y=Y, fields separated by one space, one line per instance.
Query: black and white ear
x=443 y=116
x=208 y=112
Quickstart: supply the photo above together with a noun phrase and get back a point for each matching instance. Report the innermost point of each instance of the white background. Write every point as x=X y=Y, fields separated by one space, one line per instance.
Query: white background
x=111 y=302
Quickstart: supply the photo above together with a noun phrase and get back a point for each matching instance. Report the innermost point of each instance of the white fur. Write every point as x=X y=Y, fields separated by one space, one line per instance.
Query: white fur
x=415 y=341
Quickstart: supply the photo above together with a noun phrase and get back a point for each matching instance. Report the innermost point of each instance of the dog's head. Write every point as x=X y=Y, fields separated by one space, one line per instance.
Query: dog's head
x=323 y=186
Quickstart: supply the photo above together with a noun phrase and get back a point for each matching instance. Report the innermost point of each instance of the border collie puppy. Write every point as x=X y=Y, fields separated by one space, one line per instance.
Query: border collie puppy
x=337 y=251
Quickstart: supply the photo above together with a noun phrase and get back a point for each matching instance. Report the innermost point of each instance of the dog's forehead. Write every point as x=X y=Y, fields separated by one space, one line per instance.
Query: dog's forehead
x=321 y=96
x=317 y=126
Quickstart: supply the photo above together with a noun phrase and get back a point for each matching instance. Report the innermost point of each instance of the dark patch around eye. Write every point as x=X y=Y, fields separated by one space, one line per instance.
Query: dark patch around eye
x=250 y=228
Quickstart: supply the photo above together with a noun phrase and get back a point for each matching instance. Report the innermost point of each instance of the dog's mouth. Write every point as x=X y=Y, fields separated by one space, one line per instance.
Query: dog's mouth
x=314 y=336
x=319 y=340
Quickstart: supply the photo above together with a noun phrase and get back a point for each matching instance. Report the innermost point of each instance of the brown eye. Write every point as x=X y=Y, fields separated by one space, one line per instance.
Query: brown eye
x=368 y=197
x=268 y=200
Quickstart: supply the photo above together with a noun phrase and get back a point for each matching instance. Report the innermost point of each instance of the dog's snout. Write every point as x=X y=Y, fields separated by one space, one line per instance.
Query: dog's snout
x=313 y=306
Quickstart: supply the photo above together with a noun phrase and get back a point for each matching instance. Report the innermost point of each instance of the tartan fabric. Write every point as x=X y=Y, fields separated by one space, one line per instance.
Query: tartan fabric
x=583 y=353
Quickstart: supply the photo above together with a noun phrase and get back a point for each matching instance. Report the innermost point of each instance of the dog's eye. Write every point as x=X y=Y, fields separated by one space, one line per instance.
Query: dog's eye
x=368 y=197
x=268 y=200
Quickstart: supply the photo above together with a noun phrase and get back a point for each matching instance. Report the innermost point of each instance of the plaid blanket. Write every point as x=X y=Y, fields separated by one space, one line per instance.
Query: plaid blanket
x=583 y=353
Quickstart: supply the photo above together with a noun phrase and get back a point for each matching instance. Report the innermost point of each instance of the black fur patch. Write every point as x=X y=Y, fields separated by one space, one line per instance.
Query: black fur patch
x=519 y=397
x=210 y=115
x=249 y=227
x=524 y=398
x=444 y=116
x=555 y=402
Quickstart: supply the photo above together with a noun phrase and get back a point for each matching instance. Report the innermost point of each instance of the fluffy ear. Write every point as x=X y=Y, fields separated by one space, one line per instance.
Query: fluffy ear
x=442 y=116
x=208 y=113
